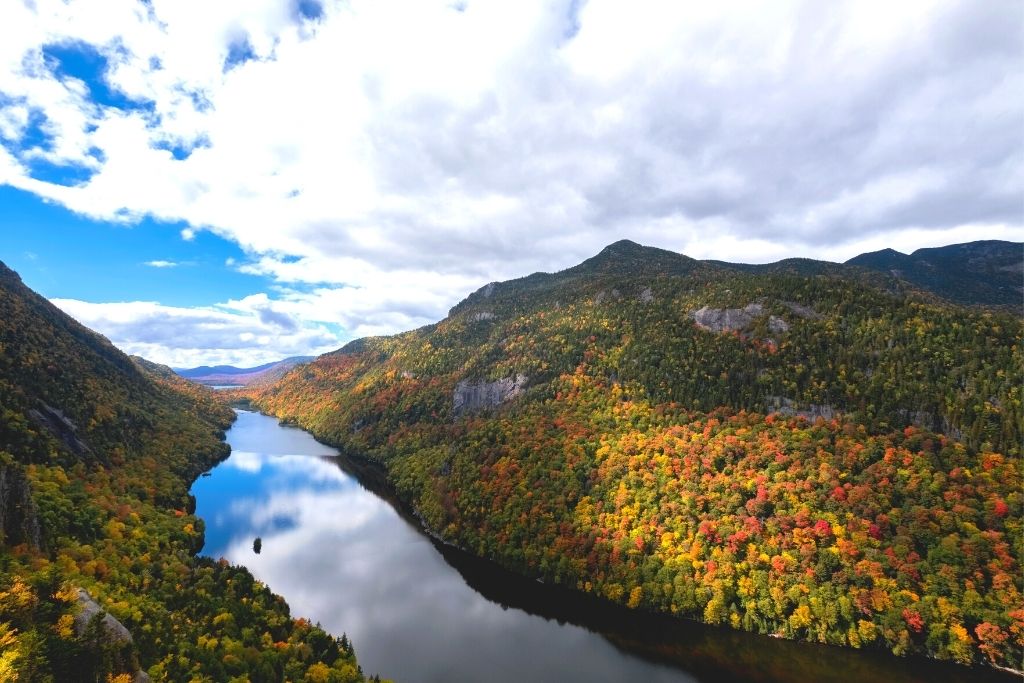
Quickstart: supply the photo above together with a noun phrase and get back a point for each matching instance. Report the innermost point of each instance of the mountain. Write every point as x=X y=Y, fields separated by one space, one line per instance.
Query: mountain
x=97 y=454
x=986 y=272
x=805 y=449
x=229 y=374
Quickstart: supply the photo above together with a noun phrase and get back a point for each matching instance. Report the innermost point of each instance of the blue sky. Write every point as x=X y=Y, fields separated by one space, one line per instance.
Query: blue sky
x=307 y=171
x=62 y=255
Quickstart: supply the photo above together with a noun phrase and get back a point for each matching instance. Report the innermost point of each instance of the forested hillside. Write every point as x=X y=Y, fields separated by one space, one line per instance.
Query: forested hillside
x=806 y=449
x=97 y=452
x=989 y=272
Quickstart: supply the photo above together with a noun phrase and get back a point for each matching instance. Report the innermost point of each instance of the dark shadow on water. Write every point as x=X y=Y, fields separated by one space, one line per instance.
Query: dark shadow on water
x=708 y=653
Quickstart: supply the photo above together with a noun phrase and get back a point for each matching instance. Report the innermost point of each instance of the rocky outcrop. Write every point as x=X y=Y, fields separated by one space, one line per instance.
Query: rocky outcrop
x=483 y=315
x=603 y=295
x=801 y=311
x=114 y=638
x=811 y=411
x=19 y=519
x=470 y=397
x=646 y=296
x=62 y=428
x=727 y=319
x=777 y=324
x=113 y=629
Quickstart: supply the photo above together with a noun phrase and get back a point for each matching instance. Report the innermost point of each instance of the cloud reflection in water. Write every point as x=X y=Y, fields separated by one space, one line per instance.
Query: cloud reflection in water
x=345 y=558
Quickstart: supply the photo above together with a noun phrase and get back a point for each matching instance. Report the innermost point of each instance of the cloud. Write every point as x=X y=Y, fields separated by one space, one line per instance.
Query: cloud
x=397 y=165
x=230 y=334
x=162 y=264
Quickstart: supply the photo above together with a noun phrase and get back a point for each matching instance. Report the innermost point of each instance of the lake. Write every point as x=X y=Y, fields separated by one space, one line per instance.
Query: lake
x=337 y=547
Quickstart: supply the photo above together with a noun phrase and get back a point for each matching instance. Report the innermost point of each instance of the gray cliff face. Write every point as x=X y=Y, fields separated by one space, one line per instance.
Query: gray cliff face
x=62 y=428
x=789 y=407
x=739 y=319
x=113 y=631
x=112 y=628
x=470 y=397
x=777 y=324
x=727 y=319
x=19 y=518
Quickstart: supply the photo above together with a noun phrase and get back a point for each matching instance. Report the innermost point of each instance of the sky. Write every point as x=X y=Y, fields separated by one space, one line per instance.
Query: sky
x=241 y=181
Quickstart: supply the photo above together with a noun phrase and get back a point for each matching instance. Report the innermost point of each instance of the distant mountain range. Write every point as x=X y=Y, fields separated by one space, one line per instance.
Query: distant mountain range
x=989 y=272
x=229 y=374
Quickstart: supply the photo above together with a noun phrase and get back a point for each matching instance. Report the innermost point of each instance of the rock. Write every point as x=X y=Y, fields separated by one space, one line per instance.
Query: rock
x=789 y=407
x=604 y=295
x=727 y=319
x=470 y=396
x=60 y=427
x=488 y=290
x=646 y=296
x=777 y=324
x=483 y=315
x=113 y=628
x=801 y=311
x=19 y=518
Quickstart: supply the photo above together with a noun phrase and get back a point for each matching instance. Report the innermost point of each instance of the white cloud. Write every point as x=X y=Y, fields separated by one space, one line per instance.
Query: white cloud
x=162 y=264
x=237 y=333
x=396 y=164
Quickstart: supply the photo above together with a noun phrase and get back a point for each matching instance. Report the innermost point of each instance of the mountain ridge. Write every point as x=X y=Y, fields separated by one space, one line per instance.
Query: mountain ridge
x=730 y=443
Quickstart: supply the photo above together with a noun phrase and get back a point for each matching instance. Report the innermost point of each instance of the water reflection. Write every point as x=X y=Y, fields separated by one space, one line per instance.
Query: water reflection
x=342 y=555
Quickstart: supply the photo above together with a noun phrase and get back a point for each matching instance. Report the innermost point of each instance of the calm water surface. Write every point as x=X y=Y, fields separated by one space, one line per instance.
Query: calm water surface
x=341 y=555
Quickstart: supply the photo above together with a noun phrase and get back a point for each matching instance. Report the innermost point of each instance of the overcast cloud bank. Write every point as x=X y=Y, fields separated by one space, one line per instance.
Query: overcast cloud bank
x=380 y=160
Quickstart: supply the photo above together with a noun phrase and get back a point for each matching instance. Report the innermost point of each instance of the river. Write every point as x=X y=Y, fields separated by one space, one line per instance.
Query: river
x=341 y=553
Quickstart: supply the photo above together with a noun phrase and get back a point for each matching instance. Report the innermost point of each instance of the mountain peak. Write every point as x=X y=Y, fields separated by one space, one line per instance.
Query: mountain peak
x=627 y=254
x=623 y=246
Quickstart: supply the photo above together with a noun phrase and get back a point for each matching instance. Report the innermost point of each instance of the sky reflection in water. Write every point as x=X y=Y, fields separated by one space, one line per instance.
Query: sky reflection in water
x=345 y=558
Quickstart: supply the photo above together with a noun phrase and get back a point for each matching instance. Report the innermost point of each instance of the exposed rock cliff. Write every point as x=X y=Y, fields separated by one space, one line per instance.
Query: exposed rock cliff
x=19 y=520
x=61 y=427
x=471 y=396
x=811 y=411
x=113 y=636
x=112 y=628
x=727 y=319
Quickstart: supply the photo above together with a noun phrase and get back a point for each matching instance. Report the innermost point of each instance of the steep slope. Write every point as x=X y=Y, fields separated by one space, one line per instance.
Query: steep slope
x=97 y=453
x=986 y=272
x=799 y=450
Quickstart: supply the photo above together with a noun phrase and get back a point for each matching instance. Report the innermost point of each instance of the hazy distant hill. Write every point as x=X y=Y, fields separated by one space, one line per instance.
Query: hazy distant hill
x=229 y=374
x=805 y=449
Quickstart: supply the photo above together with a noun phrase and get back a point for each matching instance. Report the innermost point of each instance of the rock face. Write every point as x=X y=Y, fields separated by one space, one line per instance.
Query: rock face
x=114 y=632
x=483 y=315
x=62 y=429
x=800 y=310
x=727 y=319
x=777 y=324
x=113 y=629
x=646 y=296
x=604 y=295
x=19 y=520
x=470 y=397
x=811 y=411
